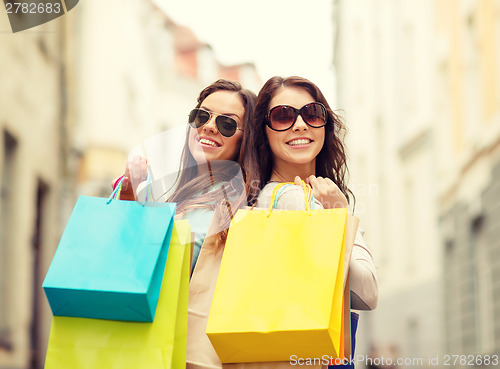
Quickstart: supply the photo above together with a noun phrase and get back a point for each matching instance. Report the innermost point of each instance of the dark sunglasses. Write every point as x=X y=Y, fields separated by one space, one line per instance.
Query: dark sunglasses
x=283 y=117
x=227 y=126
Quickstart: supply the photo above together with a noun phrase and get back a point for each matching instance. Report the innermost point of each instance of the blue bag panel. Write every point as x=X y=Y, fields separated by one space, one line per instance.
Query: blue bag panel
x=110 y=260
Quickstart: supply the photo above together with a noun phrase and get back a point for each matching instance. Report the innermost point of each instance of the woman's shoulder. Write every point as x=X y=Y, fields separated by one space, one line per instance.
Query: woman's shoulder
x=289 y=197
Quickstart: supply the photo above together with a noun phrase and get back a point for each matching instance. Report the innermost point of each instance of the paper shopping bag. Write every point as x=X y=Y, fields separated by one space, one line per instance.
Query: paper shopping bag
x=81 y=343
x=110 y=260
x=280 y=287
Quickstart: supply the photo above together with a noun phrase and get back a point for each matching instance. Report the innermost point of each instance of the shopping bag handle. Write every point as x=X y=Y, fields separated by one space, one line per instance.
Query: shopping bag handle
x=281 y=186
x=118 y=189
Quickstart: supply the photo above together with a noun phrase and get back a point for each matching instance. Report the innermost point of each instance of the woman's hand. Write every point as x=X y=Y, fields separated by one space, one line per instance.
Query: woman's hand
x=136 y=172
x=325 y=191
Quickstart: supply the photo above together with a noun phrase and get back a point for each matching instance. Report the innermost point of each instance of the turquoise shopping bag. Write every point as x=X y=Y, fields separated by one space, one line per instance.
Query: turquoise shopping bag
x=110 y=260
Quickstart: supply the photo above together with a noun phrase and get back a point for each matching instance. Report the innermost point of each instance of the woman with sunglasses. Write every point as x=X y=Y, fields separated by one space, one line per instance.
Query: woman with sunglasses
x=296 y=136
x=214 y=133
x=205 y=183
x=212 y=145
x=217 y=123
x=209 y=158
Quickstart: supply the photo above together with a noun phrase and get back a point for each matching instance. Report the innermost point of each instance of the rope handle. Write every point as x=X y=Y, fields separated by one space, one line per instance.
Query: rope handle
x=279 y=189
x=115 y=195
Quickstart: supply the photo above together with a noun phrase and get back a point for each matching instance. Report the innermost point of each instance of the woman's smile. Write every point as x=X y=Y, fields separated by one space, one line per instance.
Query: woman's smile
x=300 y=142
x=208 y=142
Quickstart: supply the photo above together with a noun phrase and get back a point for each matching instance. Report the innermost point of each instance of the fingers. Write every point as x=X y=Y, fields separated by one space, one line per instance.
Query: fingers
x=298 y=181
x=312 y=181
x=327 y=192
x=322 y=183
x=125 y=183
x=330 y=182
x=138 y=169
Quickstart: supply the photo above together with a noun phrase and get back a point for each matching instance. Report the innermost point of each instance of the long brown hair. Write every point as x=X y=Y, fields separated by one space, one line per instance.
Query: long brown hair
x=256 y=151
x=193 y=184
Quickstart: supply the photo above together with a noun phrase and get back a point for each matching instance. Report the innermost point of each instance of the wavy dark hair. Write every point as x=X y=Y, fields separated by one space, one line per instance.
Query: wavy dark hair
x=256 y=151
x=193 y=184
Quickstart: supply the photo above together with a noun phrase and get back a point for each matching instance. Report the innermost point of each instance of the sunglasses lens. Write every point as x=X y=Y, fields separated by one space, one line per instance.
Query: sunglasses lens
x=198 y=118
x=314 y=114
x=226 y=125
x=282 y=117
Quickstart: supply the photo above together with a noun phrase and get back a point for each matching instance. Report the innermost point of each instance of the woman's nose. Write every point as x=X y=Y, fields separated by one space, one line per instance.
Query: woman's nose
x=299 y=124
x=210 y=125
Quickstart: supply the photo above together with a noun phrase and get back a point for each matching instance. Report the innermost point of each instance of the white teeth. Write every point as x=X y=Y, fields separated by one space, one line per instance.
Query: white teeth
x=209 y=142
x=302 y=141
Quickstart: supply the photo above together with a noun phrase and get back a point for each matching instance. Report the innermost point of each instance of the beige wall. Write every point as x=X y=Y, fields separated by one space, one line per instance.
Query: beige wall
x=469 y=61
x=129 y=88
x=384 y=66
x=469 y=99
x=419 y=85
x=32 y=114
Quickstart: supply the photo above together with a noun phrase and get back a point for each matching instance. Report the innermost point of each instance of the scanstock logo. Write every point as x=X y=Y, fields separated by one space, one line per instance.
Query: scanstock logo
x=25 y=14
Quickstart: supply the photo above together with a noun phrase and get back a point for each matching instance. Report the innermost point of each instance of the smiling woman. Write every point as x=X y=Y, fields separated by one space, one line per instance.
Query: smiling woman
x=218 y=123
x=296 y=136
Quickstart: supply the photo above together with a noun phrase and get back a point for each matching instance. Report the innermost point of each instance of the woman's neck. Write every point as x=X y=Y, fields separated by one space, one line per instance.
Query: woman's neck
x=286 y=172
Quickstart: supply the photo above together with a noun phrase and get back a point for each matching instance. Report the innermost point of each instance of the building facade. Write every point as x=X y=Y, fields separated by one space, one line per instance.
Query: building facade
x=468 y=64
x=418 y=86
x=139 y=74
x=33 y=170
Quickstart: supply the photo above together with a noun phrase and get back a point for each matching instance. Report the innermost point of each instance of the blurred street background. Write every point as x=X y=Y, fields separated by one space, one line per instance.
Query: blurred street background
x=417 y=83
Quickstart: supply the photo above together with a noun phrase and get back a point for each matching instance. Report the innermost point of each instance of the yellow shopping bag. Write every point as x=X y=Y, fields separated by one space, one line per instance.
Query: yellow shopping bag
x=279 y=291
x=80 y=343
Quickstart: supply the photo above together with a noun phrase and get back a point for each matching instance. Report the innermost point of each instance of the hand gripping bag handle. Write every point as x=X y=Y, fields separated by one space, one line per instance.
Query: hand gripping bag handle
x=279 y=189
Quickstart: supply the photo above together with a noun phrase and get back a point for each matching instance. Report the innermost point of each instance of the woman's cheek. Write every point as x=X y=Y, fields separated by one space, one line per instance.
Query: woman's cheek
x=231 y=147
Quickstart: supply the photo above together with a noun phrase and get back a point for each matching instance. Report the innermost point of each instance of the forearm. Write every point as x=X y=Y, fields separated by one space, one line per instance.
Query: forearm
x=362 y=277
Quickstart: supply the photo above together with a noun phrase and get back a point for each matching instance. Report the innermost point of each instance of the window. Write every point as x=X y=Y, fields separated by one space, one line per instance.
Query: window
x=7 y=171
x=483 y=289
x=452 y=298
x=37 y=244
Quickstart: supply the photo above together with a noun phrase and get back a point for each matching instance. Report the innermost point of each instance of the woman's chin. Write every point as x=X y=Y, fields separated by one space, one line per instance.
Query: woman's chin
x=301 y=160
